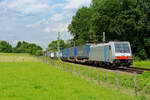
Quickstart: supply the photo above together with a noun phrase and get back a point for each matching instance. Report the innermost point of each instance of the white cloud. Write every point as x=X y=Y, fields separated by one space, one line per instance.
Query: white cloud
x=26 y=6
x=58 y=6
x=74 y=4
x=9 y=28
x=57 y=17
x=38 y=23
x=47 y=29
x=57 y=28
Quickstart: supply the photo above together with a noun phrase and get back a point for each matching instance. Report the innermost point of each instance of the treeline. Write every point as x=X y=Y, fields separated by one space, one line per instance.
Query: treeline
x=53 y=46
x=21 y=47
x=121 y=20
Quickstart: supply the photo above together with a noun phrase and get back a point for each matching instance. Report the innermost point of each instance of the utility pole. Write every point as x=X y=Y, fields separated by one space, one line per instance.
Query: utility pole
x=104 y=37
x=58 y=45
x=74 y=43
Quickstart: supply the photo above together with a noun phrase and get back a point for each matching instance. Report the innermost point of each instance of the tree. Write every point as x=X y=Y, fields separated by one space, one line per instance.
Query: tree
x=5 y=47
x=25 y=47
x=80 y=26
x=53 y=45
x=39 y=53
x=121 y=20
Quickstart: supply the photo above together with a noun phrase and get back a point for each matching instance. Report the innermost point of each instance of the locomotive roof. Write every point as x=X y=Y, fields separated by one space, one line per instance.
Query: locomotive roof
x=111 y=42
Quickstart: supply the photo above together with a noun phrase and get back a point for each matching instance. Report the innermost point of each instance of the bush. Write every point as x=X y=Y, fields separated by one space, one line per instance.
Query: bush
x=136 y=58
x=142 y=54
x=39 y=53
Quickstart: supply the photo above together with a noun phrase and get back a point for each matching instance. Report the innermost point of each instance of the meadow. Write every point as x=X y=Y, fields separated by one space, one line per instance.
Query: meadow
x=35 y=80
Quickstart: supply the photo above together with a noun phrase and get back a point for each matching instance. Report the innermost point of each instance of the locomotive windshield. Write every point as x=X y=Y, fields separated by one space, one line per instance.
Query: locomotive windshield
x=122 y=48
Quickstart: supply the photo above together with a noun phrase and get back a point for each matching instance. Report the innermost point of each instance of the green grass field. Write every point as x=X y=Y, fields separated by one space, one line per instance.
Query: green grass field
x=141 y=64
x=17 y=58
x=27 y=80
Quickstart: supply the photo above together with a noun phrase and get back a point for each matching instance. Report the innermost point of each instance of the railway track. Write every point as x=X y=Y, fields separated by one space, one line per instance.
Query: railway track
x=122 y=69
x=131 y=70
x=137 y=70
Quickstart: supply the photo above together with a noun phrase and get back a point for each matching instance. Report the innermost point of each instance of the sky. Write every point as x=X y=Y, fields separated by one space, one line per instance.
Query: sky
x=37 y=21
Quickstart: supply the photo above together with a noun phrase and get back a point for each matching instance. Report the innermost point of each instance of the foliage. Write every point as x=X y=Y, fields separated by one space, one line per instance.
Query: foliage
x=39 y=53
x=80 y=26
x=25 y=47
x=135 y=58
x=122 y=20
x=21 y=47
x=5 y=47
x=53 y=46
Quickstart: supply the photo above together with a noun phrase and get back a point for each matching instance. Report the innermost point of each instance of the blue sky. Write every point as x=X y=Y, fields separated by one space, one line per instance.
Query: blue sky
x=37 y=21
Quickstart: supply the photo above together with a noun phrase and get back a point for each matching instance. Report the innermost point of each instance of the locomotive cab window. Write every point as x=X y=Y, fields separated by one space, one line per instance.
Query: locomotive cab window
x=126 y=48
x=122 y=48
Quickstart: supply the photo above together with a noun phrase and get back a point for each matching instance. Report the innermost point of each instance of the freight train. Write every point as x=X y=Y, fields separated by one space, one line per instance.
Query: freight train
x=105 y=54
x=112 y=54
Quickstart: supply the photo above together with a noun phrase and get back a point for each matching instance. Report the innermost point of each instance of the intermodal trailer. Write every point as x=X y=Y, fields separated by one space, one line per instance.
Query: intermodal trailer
x=72 y=52
x=83 y=51
x=65 y=54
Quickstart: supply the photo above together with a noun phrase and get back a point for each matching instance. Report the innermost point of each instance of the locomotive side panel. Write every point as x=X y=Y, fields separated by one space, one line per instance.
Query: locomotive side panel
x=97 y=54
x=101 y=53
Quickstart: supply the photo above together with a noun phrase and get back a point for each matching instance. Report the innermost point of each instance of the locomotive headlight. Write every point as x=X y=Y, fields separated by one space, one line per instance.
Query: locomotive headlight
x=129 y=57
